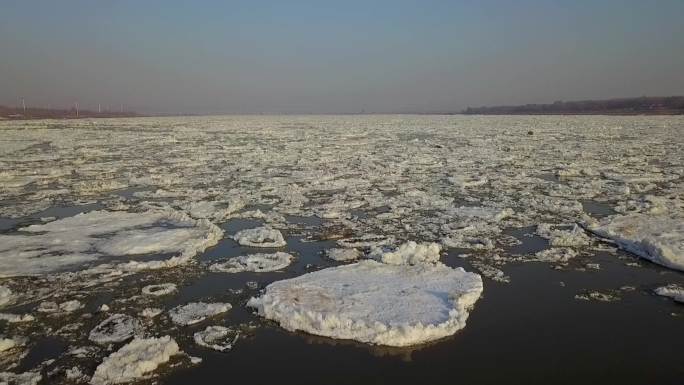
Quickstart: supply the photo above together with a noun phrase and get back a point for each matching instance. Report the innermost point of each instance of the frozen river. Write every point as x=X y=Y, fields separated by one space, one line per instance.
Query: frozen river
x=342 y=249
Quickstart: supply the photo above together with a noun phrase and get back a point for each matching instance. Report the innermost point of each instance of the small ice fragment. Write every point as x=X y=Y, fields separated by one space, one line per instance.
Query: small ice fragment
x=151 y=312
x=5 y=295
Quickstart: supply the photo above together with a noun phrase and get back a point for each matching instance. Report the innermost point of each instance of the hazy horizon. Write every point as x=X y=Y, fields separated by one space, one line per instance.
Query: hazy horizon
x=386 y=57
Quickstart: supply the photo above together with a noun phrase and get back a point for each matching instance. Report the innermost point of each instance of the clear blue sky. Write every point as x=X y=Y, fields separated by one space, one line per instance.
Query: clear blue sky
x=342 y=56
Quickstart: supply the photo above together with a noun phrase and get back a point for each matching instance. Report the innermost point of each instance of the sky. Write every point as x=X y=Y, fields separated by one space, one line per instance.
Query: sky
x=276 y=56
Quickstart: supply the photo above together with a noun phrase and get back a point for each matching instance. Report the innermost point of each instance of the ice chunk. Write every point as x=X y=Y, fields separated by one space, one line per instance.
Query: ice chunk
x=5 y=295
x=372 y=302
x=563 y=235
x=343 y=255
x=116 y=328
x=673 y=291
x=195 y=312
x=135 y=360
x=487 y=213
x=260 y=237
x=10 y=343
x=218 y=338
x=86 y=237
x=559 y=255
x=26 y=378
x=151 y=312
x=254 y=262
x=409 y=253
x=14 y=318
x=658 y=238
x=368 y=240
x=64 y=307
x=159 y=290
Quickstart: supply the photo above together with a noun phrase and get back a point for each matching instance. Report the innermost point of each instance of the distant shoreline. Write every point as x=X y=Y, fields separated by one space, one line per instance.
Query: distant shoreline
x=641 y=106
x=661 y=105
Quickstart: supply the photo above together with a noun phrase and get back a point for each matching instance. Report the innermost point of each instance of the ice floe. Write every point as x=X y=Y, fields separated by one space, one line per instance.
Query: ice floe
x=135 y=360
x=260 y=237
x=116 y=328
x=159 y=289
x=373 y=302
x=658 y=238
x=86 y=237
x=259 y=262
x=195 y=312
x=218 y=338
x=673 y=291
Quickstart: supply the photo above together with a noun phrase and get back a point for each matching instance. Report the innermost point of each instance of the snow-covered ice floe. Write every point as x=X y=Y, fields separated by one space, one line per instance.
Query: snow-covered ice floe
x=658 y=238
x=259 y=262
x=195 y=312
x=673 y=291
x=260 y=237
x=86 y=237
x=373 y=302
x=135 y=360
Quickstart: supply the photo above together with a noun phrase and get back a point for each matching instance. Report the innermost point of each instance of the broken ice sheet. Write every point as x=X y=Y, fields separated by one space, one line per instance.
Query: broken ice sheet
x=658 y=238
x=73 y=241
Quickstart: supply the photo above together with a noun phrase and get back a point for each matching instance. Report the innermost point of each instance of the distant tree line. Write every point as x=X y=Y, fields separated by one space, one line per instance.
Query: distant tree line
x=668 y=105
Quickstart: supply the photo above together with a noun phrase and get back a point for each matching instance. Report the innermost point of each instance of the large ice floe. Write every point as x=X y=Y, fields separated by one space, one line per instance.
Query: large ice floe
x=259 y=262
x=135 y=360
x=658 y=238
x=395 y=304
x=73 y=241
